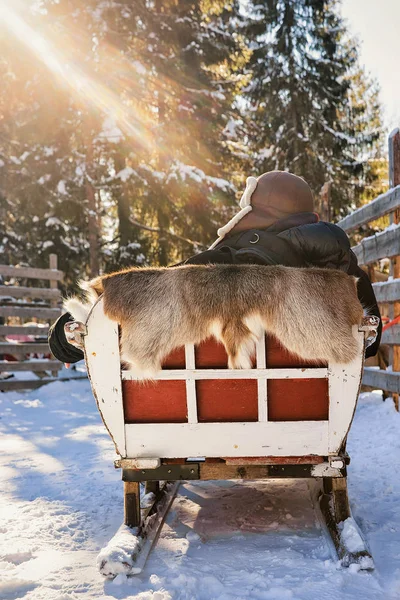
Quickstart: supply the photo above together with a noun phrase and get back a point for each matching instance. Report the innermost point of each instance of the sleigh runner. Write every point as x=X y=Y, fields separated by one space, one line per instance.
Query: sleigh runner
x=199 y=420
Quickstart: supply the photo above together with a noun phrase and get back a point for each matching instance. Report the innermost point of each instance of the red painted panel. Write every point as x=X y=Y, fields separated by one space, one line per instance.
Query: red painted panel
x=279 y=357
x=211 y=354
x=175 y=360
x=154 y=402
x=221 y=400
x=227 y=400
x=298 y=399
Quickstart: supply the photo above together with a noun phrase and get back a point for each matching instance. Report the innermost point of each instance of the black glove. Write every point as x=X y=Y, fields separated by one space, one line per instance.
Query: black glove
x=59 y=346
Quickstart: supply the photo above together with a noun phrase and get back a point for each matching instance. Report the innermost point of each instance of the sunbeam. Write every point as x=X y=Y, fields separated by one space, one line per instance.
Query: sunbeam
x=83 y=85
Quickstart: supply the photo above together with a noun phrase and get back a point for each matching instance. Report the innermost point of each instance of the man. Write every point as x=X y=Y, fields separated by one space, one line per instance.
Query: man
x=276 y=225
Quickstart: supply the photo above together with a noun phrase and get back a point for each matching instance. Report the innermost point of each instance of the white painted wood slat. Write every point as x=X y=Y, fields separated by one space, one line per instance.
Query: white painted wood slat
x=175 y=440
x=262 y=389
x=191 y=395
x=178 y=374
x=104 y=369
x=344 y=386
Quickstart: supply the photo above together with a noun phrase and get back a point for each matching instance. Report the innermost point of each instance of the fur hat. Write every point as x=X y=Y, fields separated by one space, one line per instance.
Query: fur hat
x=272 y=196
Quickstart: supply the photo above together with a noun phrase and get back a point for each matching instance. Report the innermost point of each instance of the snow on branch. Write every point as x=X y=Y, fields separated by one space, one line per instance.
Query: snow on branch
x=167 y=231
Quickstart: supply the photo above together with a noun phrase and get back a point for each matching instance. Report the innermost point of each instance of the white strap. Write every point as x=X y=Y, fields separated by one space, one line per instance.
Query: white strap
x=245 y=205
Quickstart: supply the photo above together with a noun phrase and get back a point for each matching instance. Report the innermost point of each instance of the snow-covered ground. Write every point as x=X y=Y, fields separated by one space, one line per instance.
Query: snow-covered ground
x=61 y=501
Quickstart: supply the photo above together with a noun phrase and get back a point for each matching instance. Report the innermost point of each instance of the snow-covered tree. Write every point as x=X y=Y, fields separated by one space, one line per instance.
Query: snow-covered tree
x=188 y=52
x=300 y=101
x=128 y=126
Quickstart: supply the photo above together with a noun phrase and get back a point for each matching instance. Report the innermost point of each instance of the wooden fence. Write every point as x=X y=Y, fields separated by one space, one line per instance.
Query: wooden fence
x=371 y=250
x=40 y=307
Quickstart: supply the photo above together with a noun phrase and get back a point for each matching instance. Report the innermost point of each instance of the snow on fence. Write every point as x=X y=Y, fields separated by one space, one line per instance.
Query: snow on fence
x=383 y=245
x=25 y=315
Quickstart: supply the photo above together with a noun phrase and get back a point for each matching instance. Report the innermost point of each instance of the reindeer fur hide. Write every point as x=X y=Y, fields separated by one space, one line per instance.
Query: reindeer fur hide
x=311 y=311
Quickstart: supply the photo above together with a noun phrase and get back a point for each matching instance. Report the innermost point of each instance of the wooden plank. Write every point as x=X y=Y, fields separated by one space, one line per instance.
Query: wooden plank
x=218 y=471
x=391 y=336
x=262 y=388
x=32 y=384
x=382 y=380
x=191 y=394
x=30 y=365
x=388 y=291
x=132 y=503
x=382 y=205
x=53 y=264
x=32 y=313
x=29 y=292
x=176 y=440
x=224 y=471
x=344 y=386
x=178 y=374
x=27 y=348
x=394 y=158
x=394 y=180
x=104 y=369
x=382 y=245
x=31 y=273
x=21 y=330
x=311 y=459
x=18 y=304
x=24 y=384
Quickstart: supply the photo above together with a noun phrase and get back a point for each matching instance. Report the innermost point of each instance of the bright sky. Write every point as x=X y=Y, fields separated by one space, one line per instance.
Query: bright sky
x=376 y=24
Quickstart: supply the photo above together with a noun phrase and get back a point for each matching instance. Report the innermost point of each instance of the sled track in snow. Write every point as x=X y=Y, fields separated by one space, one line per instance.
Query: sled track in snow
x=128 y=551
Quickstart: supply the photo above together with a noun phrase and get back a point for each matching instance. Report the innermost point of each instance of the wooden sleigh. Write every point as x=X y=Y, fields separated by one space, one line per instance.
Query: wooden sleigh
x=199 y=420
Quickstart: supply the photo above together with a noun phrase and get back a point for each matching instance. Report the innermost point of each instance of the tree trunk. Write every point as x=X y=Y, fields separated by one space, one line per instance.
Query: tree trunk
x=93 y=222
x=123 y=208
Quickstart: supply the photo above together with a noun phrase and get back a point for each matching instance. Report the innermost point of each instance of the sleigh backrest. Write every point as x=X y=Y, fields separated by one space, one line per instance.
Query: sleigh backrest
x=196 y=406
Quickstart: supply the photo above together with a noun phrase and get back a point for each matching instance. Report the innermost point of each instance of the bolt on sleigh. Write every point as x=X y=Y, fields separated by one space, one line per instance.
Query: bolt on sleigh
x=200 y=420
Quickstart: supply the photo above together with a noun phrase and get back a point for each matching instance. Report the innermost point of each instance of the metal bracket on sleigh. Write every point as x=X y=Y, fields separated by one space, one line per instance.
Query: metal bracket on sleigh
x=155 y=446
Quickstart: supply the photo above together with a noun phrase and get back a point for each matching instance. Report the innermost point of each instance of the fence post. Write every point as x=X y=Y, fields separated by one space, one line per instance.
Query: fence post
x=394 y=180
x=324 y=208
x=53 y=264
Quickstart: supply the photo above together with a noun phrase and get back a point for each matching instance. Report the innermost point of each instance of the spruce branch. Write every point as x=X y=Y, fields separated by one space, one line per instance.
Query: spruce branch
x=167 y=231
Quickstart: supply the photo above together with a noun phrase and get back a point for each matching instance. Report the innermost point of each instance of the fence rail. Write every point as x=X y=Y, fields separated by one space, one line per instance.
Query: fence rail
x=388 y=291
x=31 y=273
x=383 y=245
x=18 y=304
x=381 y=206
x=30 y=292
x=382 y=380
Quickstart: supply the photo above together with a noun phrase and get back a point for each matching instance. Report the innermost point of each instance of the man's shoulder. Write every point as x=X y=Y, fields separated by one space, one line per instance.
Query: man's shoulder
x=322 y=231
x=322 y=244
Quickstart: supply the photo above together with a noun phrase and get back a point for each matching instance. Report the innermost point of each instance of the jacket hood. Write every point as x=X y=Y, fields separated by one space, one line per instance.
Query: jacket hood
x=269 y=198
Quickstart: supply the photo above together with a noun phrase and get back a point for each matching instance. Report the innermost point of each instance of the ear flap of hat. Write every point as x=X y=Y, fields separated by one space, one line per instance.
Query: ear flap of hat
x=251 y=184
x=245 y=205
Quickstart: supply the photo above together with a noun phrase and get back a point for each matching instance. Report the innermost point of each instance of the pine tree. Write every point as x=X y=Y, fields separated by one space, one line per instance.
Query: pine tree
x=298 y=99
x=363 y=114
x=39 y=216
x=124 y=130
x=189 y=61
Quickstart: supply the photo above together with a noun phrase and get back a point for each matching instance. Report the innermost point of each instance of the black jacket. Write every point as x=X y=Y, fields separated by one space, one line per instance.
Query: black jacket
x=298 y=241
